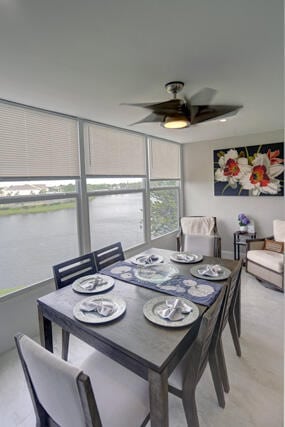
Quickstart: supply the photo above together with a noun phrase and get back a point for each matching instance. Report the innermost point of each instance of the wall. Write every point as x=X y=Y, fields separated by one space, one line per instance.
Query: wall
x=199 y=196
x=18 y=313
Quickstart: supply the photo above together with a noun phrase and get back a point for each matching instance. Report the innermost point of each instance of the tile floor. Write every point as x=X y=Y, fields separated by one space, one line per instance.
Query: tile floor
x=256 y=379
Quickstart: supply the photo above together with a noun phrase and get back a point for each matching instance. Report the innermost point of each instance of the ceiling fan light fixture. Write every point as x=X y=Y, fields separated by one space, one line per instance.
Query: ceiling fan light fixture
x=177 y=122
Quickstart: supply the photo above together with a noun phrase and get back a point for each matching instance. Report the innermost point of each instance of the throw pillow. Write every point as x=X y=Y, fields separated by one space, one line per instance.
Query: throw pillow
x=272 y=245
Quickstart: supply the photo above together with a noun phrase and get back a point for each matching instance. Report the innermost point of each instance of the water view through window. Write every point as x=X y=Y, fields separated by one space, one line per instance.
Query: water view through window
x=36 y=234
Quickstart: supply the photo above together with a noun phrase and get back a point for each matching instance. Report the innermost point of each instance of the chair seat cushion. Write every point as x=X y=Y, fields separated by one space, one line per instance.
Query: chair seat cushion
x=268 y=259
x=121 y=396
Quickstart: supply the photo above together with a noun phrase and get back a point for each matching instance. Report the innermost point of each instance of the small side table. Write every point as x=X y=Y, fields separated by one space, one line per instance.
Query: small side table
x=240 y=238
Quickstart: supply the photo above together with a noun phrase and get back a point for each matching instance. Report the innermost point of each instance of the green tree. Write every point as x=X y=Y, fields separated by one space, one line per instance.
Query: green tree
x=164 y=211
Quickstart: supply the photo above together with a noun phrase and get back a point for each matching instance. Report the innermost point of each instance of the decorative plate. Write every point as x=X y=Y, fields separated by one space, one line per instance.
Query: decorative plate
x=83 y=285
x=155 y=304
x=147 y=259
x=186 y=257
x=201 y=290
x=96 y=318
x=156 y=273
x=221 y=275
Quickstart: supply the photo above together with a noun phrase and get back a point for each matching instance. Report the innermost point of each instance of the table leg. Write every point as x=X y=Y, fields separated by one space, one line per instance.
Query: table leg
x=235 y=248
x=158 y=395
x=45 y=331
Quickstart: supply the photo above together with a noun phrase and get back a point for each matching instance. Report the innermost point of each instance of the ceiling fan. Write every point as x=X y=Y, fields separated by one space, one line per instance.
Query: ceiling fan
x=181 y=113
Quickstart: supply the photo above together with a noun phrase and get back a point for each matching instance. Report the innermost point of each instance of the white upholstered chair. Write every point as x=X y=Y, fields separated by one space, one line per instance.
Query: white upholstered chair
x=265 y=257
x=63 y=395
x=199 y=234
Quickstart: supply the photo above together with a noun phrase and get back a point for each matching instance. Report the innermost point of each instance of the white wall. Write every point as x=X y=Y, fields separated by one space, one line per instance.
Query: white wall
x=18 y=313
x=199 y=196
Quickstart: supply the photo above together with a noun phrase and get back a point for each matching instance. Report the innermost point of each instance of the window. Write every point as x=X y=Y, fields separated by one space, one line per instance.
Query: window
x=55 y=205
x=164 y=187
x=36 y=232
x=164 y=211
x=118 y=213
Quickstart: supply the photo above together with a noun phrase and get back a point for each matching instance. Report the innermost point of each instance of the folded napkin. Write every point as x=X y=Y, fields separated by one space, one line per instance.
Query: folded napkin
x=175 y=310
x=184 y=257
x=210 y=270
x=91 y=283
x=148 y=259
x=104 y=308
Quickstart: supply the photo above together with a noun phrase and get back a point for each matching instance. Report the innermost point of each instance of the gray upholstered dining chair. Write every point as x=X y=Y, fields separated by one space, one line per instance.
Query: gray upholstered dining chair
x=199 y=234
x=64 y=274
x=64 y=395
x=108 y=255
x=185 y=377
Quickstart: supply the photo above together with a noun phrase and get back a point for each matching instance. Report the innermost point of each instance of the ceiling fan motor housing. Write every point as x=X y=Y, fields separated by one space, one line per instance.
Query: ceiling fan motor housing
x=174 y=87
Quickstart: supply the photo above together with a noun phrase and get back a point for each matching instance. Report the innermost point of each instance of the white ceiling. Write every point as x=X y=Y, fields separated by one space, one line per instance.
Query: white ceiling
x=85 y=57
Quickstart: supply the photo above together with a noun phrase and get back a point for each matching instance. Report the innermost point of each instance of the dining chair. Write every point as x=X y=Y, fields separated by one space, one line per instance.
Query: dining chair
x=216 y=353
x=63 y=395
x=199 y=234
x=185 y=377
x=108 y=255
x=64 y=274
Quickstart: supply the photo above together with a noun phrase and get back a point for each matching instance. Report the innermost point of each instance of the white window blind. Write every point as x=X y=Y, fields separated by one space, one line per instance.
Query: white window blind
x=164 y=159
x=37 y=144
x=113 y=152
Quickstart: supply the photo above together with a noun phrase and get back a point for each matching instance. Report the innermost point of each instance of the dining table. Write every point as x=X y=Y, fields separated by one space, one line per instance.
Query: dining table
x=147 y=349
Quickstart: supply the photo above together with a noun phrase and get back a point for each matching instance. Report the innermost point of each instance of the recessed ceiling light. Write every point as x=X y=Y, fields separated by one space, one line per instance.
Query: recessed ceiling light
x=223 y=120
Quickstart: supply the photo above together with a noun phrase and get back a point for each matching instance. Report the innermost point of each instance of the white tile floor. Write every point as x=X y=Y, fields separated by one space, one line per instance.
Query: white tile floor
x=256 y=379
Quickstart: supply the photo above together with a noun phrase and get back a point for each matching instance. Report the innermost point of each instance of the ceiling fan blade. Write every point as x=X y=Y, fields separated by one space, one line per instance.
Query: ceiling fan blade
x=203 y=97
x=202 y=113
x=173 y=106
x=151 y=118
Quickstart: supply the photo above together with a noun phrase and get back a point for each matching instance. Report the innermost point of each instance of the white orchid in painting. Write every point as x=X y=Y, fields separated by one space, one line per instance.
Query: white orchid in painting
x=262 y=177
x=232 y=168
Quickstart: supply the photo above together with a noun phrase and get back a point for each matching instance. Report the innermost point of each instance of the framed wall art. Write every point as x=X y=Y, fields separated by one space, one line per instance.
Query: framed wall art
x=256 y=170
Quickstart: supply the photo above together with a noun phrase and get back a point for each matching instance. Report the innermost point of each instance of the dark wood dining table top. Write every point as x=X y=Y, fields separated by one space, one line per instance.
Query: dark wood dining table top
x=132 y=340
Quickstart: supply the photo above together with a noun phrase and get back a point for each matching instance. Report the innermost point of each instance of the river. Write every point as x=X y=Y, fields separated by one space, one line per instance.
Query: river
x=31 y=244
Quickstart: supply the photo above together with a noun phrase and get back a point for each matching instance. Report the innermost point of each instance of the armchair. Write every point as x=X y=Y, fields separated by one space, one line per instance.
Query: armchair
x=199 y=234
x=265 y=257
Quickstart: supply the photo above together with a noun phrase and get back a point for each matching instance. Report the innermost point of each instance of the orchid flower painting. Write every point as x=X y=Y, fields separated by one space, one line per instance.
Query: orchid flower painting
x=250 y=171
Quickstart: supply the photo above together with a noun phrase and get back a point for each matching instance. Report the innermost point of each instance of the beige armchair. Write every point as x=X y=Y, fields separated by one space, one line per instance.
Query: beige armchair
x=265 y=257
x=199 y=234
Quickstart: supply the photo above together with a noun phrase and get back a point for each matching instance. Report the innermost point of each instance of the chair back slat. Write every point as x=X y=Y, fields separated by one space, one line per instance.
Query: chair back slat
x=108 y=255
x=66 y=272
